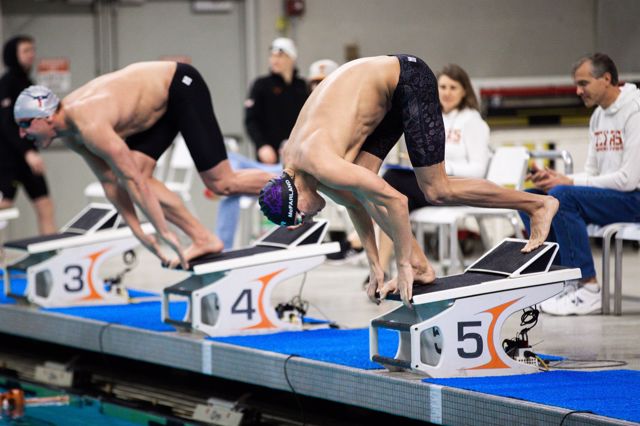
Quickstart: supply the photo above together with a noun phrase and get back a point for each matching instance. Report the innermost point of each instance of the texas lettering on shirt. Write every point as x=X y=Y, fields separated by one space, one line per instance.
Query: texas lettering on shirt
x=454 y=136
x=608 y=140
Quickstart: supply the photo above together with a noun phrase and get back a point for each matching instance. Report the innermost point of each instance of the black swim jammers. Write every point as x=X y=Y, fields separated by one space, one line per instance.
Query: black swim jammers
x=190 y=112
x=415 y=111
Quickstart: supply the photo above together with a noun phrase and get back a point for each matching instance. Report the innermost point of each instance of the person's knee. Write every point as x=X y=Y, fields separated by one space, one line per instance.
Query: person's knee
x=221 y=187
x=569 y=197
x=220 y=179
x=6 y=203
x=565 y=194
x=437 y=195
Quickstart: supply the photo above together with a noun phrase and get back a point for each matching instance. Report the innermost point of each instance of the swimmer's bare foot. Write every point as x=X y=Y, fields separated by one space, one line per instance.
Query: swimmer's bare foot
x=208 y=244
x=424 y=274
x=541 y=223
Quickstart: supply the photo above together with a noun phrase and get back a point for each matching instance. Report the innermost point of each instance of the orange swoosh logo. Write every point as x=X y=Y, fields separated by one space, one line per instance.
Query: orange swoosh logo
x=264 y=320
x=495 y=361
x=93 y=294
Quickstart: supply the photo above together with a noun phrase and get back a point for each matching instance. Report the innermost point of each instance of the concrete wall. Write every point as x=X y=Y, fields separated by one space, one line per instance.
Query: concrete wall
x=491 y=38
x=213 y=41
x=60 y=31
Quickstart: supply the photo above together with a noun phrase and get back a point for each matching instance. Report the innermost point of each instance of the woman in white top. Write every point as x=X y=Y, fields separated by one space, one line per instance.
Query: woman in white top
x=466 y=149
x=467 y=145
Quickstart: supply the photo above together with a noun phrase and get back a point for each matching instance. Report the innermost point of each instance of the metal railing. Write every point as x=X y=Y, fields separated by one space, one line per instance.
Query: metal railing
x=563 y=155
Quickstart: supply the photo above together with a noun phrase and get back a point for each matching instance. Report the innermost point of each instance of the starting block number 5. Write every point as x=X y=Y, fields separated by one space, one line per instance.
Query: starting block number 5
x=465 y=338
x=462 y=336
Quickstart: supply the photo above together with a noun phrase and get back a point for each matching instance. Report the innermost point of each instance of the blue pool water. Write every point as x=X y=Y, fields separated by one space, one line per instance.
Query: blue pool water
x=84 y=411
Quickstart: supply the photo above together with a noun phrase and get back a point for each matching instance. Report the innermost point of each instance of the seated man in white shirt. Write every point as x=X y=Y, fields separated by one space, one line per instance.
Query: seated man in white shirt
x=607 y=191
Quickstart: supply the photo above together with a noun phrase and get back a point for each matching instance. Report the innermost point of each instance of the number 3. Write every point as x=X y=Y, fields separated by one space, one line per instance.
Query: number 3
x=77 y=278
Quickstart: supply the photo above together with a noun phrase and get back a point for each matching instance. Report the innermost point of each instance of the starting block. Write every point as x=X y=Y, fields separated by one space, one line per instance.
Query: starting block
x=8 y=214
x=5 y=216
x=62 y=269
x=453 y=328
x=230 y=292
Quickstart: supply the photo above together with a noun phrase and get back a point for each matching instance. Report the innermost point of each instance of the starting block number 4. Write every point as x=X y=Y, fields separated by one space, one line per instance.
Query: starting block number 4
x=241 y=300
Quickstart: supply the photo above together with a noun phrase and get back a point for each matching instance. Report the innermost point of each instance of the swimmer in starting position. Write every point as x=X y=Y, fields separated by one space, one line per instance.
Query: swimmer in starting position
x=344 y=131
x=121 y=123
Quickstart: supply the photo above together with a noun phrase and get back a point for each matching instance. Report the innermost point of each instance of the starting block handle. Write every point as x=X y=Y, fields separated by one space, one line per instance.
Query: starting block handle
x=391 y=325
x=392 y=362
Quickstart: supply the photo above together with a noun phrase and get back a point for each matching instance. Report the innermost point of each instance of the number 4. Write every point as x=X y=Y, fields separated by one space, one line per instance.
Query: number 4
x=236 y=308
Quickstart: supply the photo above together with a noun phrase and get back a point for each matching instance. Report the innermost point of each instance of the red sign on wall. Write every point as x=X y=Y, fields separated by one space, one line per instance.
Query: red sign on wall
x=55 y=73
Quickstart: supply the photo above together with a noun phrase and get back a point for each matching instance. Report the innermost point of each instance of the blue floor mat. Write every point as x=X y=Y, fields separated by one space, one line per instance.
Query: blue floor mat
x=145 y=315
x=343 y=347
x=614 y=393
x=19 y=286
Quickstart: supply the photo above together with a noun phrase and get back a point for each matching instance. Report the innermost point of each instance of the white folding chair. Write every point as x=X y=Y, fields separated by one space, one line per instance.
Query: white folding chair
x=180 y=172
x=621 y=232
x=508 y=168
x=629 y=232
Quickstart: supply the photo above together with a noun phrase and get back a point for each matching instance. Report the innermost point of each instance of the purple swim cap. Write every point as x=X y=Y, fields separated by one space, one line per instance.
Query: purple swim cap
x=279 y=200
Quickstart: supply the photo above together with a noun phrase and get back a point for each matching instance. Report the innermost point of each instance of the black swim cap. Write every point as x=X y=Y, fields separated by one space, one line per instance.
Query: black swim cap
x=279 y=200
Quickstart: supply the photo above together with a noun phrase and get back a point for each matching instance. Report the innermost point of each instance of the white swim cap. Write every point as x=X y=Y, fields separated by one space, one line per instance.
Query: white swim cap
x=35 y=102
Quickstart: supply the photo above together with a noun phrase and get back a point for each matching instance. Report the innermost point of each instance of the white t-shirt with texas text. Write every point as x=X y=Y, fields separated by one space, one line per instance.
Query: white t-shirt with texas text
x=613 y=159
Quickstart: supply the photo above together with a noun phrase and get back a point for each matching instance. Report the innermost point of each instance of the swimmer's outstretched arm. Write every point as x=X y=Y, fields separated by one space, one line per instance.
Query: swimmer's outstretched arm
x=104 y=143
x=383 y=203
x=120 y=199
x=364 y=227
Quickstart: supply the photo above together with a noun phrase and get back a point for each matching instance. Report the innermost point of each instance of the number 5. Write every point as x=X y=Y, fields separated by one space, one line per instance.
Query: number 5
x=462 y=336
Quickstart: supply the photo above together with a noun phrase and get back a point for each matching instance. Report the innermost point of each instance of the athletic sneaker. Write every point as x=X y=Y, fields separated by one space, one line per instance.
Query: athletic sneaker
x=574 y=300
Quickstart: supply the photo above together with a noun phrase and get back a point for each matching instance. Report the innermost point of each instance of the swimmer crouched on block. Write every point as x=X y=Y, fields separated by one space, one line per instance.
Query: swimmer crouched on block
x=121 y=123
x=345 y=130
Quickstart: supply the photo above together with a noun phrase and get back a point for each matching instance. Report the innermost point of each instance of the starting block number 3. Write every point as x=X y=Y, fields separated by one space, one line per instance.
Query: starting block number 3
x=76 y=274
x=72 y=276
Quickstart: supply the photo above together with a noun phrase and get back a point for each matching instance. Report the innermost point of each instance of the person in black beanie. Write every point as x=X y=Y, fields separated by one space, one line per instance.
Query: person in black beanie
x=20 y=162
